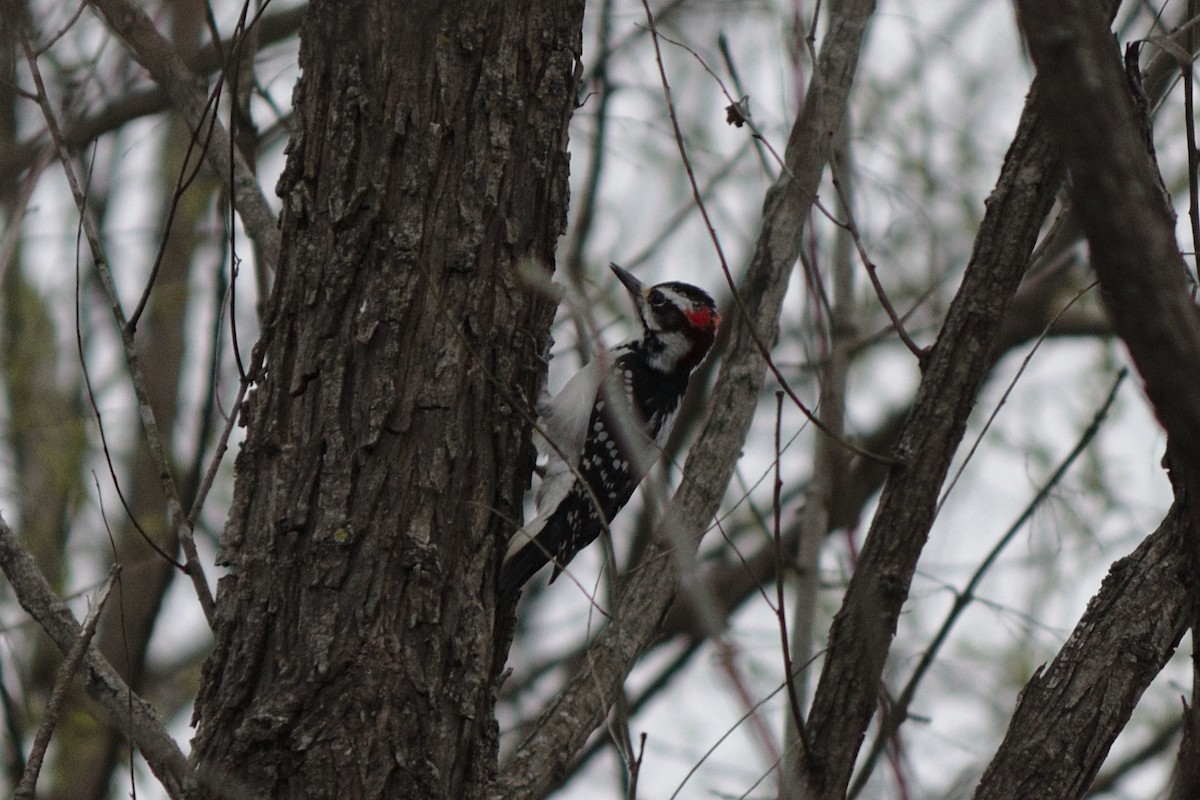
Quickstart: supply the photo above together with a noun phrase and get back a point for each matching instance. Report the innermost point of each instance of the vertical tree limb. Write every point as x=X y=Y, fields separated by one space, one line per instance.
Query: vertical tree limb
x=1119 y=197
x=862 y=630
x=567 y=722
x=387 y=445
x=1068 y=716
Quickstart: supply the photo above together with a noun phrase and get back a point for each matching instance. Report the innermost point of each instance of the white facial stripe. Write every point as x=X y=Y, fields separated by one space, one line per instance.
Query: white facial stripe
x=678 y=299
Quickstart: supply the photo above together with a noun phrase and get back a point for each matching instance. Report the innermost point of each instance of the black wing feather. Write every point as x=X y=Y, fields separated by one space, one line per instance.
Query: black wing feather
x=606 y=467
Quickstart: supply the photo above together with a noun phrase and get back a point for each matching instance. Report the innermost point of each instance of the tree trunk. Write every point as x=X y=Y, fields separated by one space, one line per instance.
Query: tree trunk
x=387 y=439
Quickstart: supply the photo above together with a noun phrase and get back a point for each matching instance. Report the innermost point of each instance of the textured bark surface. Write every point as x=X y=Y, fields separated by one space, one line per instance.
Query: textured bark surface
x=1122 y=205
x=863 y=629
x=1069 y=713
x=385 y=450
x=862 y=632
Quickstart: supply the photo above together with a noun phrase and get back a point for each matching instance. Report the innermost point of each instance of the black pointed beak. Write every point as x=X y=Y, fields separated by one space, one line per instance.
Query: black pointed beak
x=636 y=292
x=632 y=284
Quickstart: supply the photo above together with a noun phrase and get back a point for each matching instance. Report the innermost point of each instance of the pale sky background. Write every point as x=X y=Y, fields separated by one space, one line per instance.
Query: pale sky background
x=940 y=88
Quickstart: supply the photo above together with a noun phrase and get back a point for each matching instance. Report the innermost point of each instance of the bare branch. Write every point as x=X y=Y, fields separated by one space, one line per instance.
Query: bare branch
x=1118 y=194
x=125 y=711
x=762 y=346
x=872 y=271
x=192 y=567
x=568 y=721
x=898 y=712
x=1068 y=714
x=66 y=671
x=136 y=103
x=862 y=631
x=187 y=91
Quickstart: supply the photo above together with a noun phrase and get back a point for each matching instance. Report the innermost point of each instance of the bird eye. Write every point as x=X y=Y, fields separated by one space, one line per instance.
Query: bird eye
x=657 y=300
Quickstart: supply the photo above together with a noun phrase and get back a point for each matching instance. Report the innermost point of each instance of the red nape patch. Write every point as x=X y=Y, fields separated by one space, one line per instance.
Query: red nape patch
x=703 y=318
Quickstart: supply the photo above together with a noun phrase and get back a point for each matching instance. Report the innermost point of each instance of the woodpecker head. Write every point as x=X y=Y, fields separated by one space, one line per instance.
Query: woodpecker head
x=679 y=321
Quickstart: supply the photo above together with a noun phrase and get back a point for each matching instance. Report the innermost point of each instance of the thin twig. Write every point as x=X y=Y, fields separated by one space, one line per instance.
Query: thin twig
x=1004 y=398
x=810 y=38
x=123 y=627
x=636 y=767
x=100 y=429
x=182 y=183
x=141 y=102
x=235 y=109
x=585 y=200
x=727 y=658
x=739 y=106
x=898 y=711
x=1193 y=154
x=210 y=474
x=619 y=733
x=742 y=106
x=62 y=680
x=652 y=689
x=186 y=90
x=781 y=611
x=721 y=739
x=137 y=379
x=674 y=222
x=257 y=356
x=70 y=23
x=922 y=353
x=142 y=726
x=712 y=232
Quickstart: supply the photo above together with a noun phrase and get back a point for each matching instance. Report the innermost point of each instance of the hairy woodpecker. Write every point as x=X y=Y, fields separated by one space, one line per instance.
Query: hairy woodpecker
x=603 y=431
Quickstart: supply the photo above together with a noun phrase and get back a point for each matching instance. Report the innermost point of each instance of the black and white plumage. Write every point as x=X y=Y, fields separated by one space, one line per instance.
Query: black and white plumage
x=605 y=429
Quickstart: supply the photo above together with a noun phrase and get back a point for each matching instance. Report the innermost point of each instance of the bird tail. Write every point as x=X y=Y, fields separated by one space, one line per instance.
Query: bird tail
x=522 y=565
x=524 y=557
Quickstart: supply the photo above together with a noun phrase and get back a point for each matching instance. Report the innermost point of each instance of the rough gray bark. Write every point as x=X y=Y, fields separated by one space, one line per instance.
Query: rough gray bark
x=1069 y=713
x=1122 y=205
x=1068 y=717
x=862 y=631
x=386 y=450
